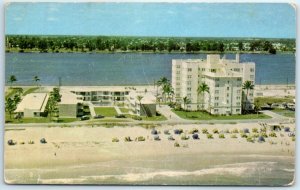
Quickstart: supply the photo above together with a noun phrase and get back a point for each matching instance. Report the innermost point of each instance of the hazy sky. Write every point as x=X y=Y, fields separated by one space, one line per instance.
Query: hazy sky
x=152 y=19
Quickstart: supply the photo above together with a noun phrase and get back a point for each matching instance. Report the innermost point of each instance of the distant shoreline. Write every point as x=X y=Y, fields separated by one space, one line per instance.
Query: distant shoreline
x=147 y=52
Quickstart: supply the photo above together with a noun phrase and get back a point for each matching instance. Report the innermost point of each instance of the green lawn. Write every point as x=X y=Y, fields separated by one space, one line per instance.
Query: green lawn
x=106 y=111
x=124 y=110
x=198 y=115
x=271 y=100
x=287 y=113
x=30 y=90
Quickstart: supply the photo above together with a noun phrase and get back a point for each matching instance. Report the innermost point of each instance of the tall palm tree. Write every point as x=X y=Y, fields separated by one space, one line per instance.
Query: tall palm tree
x=167 y=91
x=186 y=101
x=247 y=86
x=161 y=82
x=36 y=80
x=202 y=88
x=139 y=98
x=12 y=79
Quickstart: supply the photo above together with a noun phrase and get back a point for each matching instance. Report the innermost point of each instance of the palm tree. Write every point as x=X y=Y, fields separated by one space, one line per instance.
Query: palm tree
x=36 y=80
x=139 y=98
x=12 y=79
x=202 y=88
x=186 y=101
x=161 y=82
x=247 y=86
x=167 y=91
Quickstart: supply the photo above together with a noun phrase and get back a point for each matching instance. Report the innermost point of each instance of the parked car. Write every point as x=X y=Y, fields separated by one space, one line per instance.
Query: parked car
x=120 y=116
x=85 y=117
x=98 y=116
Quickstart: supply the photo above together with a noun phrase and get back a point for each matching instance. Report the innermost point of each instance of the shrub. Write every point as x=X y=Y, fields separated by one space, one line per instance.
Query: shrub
x=184 y=137
x=204 y=131
x=209 y=136
x=261 y=139
x=43 y=141
x=156 y=138
x=233 y=136
x=115 y=139
x=293 y=138
x=22 y=142
x=255 y=130
x=250 y=139
x=286 y=129
x=243 y=135
x=272 y=134
x=255 y=135
x=263 y=129
x=195 y=136
x=11 y=142
x=154 y=132
x=178 y=131
x=215 y=131
x=140 y=138
x=176 y=144
x=166 y=132
x=136 y=117
x=127 y=139
x=194 y=130
x=264 y=135
x=235 y=131
x=170 y=138
x=31 y=142
x=221 y=136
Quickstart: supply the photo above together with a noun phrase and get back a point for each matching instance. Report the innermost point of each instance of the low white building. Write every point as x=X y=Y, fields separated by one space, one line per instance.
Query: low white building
x=70 y=105
x=33 y=105
x=146 y=106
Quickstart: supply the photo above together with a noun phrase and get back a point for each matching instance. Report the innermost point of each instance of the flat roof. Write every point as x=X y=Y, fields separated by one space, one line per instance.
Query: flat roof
x=69 y=98
x=33 y=101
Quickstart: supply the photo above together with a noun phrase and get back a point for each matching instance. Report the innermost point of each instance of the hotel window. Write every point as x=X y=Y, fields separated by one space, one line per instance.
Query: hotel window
x=238 y=97
x=251 y=69
x=227 y=87
x=189 y=82
x=239 y=79
x=216 y=98
x=238 y=91
x=213 y=70
x=251 y=77
x=177 y=78
x=237 y=110
x=189 y=76
x=236 y=69
x=227 y=101
x=216 y=104
x=216 y=110
x=216 y=91
x=217 y=79
x=189 y=69
x=203 y=69
x=178 y=83
x=250 y=94
x=227 y=94
x=189 y=89
x=217 y=85
x=177 y=95
x=178 y=66
x=178 y=72
x=238 y=103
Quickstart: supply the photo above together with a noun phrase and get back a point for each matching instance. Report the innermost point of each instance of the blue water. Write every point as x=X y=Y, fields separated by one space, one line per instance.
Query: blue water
x=128 y=68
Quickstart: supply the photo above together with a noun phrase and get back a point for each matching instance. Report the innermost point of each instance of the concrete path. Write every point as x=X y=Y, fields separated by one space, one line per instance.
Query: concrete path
x=167 y=112
x=92 y=110
x=118 y=110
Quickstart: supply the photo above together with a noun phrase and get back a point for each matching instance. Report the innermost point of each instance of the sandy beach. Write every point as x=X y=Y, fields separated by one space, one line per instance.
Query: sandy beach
x=87 y=155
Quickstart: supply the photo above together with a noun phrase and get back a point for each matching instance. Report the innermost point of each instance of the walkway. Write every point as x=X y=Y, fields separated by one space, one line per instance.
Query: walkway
x=119 y=112
x=167 y=112
x=92 y=110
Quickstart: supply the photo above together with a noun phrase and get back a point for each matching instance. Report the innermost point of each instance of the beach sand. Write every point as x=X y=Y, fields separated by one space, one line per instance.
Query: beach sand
x=87 y=155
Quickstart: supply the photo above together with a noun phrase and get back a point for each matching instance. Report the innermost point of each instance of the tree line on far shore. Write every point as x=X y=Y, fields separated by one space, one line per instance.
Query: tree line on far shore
x=56 y=44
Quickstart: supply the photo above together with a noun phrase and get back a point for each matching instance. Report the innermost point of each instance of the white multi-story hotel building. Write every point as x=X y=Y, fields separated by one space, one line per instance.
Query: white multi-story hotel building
x=225 y=79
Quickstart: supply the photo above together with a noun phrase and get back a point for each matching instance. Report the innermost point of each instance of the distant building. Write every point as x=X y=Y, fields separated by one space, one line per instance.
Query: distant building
x=144 y=107
x=104 y=96
x=224 y=77
x=70 y=105
x=33 y=105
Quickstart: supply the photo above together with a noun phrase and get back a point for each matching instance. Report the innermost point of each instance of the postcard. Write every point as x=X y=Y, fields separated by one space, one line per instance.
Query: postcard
x=152 y=93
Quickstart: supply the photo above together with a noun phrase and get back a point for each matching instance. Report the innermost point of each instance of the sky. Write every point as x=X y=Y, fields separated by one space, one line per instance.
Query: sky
x=269 y=20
